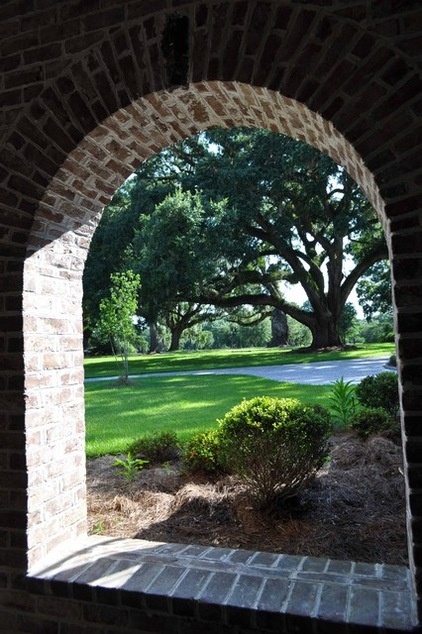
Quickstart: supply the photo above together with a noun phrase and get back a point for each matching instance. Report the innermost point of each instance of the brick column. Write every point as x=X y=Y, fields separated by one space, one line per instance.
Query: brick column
x=55 y=428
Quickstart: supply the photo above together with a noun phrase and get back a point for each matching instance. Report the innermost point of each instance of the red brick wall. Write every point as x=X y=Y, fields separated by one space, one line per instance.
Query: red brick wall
x=90 y=88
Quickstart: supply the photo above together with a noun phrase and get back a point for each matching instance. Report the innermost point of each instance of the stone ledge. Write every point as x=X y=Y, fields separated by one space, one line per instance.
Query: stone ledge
x=258 y=590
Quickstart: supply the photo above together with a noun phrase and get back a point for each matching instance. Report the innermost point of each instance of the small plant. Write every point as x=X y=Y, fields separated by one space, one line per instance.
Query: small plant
x=156 y=448
x=99 y=528
x=276 y=445
x=202 y=454
x=369 y=421
x=129 y=467
x=343 y=402
x=379 y=390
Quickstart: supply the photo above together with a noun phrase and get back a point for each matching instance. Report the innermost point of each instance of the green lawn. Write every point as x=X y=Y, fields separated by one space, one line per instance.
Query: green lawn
x=187 y=404
x=210 y=359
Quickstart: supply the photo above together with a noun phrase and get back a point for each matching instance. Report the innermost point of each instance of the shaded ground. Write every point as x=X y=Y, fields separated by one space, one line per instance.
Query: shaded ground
x=355 y=509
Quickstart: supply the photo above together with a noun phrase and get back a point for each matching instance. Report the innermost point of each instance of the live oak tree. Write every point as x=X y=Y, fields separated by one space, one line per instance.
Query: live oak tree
x=226 y=218
x=288 y=214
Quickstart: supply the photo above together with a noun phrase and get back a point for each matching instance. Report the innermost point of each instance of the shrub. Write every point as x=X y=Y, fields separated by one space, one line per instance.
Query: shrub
x=369 y=421
x=379 y=390
x=276 y=445
x=202 y=454
x=157 y=447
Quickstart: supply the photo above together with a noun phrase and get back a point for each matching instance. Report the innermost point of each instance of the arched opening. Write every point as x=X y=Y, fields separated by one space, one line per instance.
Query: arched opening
x=63 y=227
x=129 y=412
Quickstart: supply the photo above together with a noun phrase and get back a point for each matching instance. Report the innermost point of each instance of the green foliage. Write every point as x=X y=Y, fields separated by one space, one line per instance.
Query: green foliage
x=227 y=333
x=298 y=335
x=275 y=445
x=129 y=467
x=197 y=338
x=374 y=290
x=342 y=402
x=349 y=324
x=369 y=421
x=203 y=454
x=380 y=390
x=378 y=329
x=156 y=447
x=225 y=217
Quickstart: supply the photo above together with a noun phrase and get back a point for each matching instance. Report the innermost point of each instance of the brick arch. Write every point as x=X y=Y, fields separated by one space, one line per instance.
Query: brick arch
x=86 y=82
x=63 y=226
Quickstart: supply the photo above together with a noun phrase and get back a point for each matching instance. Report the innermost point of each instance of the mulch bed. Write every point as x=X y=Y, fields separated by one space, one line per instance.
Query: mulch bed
x=354 y=510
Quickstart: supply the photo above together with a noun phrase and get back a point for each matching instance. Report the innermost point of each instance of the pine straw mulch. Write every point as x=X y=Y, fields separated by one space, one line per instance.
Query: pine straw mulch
x=354 y=510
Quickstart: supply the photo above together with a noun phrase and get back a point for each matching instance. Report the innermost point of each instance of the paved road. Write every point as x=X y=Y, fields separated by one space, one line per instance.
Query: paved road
x=318 y=373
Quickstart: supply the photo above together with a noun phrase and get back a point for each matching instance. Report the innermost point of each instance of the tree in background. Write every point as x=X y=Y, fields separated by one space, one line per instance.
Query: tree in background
x=225 y=218
x=175 y=251
x=279 y=329
x=298 y=215
x=116 y=317
x=349 y=324
x=228 y=333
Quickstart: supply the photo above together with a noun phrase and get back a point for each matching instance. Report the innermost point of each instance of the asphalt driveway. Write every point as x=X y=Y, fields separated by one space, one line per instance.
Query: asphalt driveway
x=317 y=373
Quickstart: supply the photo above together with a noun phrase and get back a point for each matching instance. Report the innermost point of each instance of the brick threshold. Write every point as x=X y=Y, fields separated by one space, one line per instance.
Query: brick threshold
x=258 y=590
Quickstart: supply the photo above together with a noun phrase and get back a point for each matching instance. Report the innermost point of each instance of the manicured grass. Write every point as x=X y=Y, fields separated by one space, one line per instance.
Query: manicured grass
x=209 y=359
x=185 y=404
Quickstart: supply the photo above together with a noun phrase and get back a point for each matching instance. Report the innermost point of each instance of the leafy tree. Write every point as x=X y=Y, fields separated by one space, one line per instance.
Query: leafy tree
x=289 y=214
x=116 y=316
x=108 y=252
x=298 y=214
x=229 y=333
x=197 y=338
x=174 y=253
x=225 y=218
x=185 y=316
x=378 y=329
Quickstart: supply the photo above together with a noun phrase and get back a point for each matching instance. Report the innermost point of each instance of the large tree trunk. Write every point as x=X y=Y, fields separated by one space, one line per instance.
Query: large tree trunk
x=326 y=332
x=154 y=340
x=279 y=329
x=176 y=333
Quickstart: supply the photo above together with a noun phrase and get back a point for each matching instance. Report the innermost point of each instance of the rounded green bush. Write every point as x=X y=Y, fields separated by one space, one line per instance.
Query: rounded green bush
x=202 y=454
x=379 y=390
x=275 y=445
x=369 y=421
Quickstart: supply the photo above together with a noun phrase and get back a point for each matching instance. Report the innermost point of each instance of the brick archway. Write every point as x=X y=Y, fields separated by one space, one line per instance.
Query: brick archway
x=88 y=94
x=63 y=226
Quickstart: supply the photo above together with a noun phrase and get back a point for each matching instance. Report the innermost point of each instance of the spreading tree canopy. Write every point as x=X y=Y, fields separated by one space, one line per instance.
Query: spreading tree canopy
x=227 y=218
